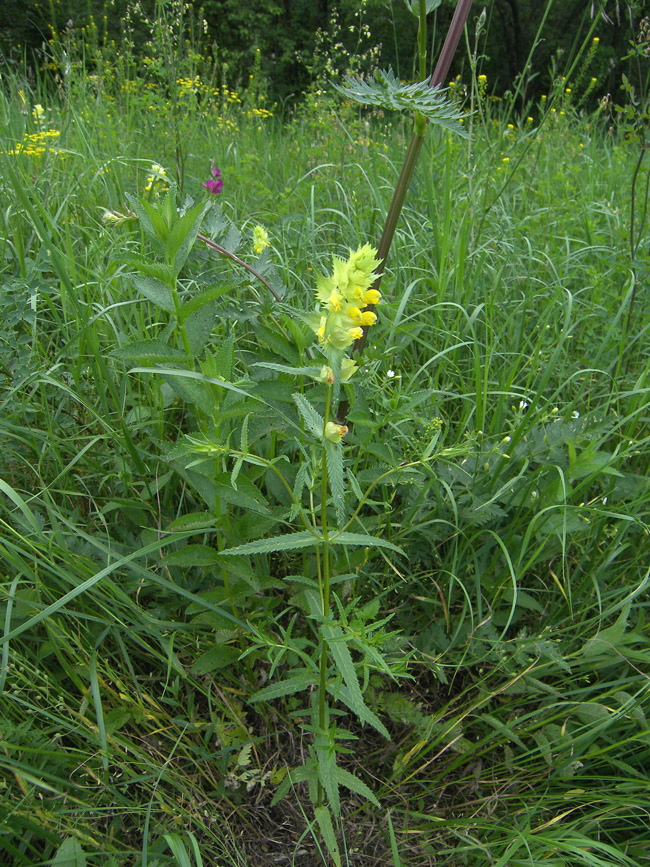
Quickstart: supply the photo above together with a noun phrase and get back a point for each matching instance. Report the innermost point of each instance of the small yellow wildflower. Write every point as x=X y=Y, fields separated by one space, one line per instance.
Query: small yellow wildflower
x=368 y=318
x=260 y=239
x=38 y=113
x=371 y=296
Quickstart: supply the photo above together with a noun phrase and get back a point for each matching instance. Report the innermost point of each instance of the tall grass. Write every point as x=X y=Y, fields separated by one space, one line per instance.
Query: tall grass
x=522 y=738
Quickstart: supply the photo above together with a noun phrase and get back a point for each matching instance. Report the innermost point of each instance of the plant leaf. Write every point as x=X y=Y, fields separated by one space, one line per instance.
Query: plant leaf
x=193 y=521
x=296 y=683
x=311 y=417
x=414 y=6
x=334 y=453
x=326 y=760
x=324 y=819
x=183 y=234
x=201 y=300
x=367 y=541
x=193 y=555
x=337 y=643
x=386 y=91
x=155 y=291
x=70 y=854
x=288 y=542
x=149 y=351
x=199 y=326
x=354 y=784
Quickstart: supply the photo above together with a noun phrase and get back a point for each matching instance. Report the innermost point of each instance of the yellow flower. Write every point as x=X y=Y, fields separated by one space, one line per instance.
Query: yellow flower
x=334 y=303
x=368 y=318
x=371 y=296
x=355 y=333
x=260 y=239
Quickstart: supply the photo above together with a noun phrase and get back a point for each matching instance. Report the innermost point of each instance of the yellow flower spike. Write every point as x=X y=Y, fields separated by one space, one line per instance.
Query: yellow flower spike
x=260 y=239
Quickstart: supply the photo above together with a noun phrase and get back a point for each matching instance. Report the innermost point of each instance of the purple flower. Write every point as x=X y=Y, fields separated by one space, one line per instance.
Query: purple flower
x=215 y=184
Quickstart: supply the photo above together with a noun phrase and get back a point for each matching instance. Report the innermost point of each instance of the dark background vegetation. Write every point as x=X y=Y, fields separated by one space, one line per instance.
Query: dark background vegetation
x=285 y=32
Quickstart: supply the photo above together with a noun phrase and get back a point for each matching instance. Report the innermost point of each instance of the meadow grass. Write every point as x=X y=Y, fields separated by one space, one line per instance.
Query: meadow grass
x=126 y=732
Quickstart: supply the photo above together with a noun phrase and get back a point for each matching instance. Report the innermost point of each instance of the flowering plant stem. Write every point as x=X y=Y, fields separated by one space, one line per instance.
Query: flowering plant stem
x=324 y=581
x=399 y=196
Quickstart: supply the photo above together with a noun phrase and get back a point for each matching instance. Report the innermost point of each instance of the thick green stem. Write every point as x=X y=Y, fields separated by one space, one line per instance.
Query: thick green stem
x=324 y=588
x=399 y=196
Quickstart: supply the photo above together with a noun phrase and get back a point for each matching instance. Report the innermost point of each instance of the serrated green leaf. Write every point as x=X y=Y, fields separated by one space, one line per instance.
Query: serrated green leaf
x=326 y=761
x=216 y=658
x=193 y=555
x=157 y=270
x=155 y=291
x=199 y=326
x=193 y=521
x=386 y=91
x=286 y=368
x=306 y=773
x=199 y=377
x=337 y=644
x=324 y=819
x=183 y=234
x=367 y=541
x=310 y=416
x=590 y=463
x=354 y=784
x=288 y=542
x=151 y=221
x=609 y=640
x=334 y=453
x=592 y=712
x=296 y=683
x=277 y=343
x=69 y=854
x=149 y=351
x=201 y=300
x=303 y=479
x=191 y=392
x=246 y=496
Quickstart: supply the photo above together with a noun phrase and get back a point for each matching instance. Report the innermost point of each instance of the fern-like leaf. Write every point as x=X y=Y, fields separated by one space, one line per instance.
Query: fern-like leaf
x=386 y=91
